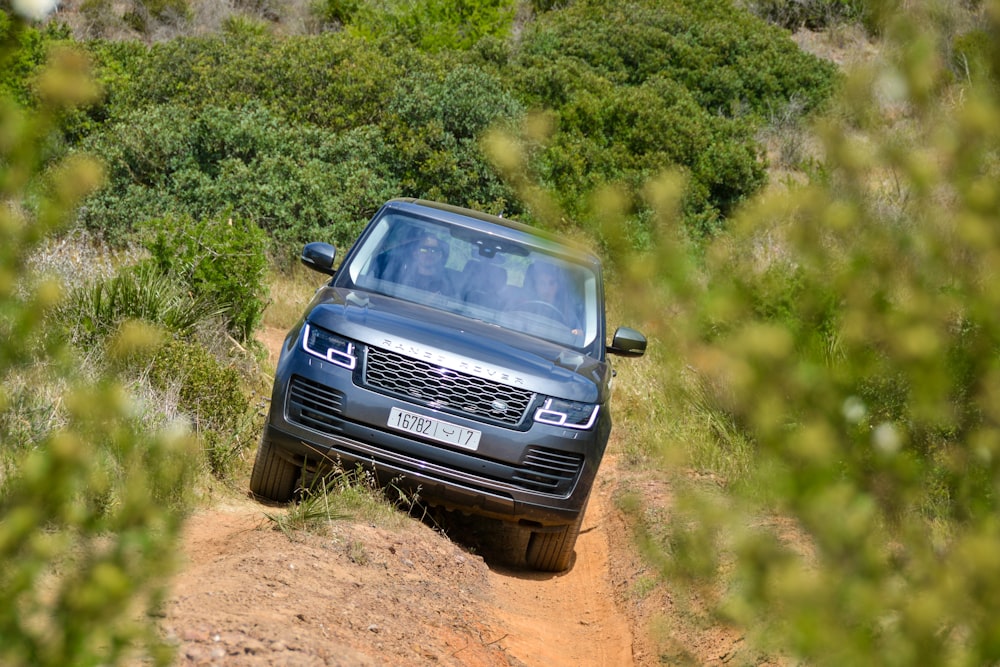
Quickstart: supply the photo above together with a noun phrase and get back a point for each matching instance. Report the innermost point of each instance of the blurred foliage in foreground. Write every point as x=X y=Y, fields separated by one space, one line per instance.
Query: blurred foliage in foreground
x=844 y=341
x=90 y=505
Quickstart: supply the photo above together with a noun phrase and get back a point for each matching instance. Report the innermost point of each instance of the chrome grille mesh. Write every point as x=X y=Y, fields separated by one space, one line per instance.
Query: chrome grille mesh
x=444 y=388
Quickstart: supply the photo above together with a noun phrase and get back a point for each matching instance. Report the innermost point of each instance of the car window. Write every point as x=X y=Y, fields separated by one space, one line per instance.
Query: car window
x=485 y=277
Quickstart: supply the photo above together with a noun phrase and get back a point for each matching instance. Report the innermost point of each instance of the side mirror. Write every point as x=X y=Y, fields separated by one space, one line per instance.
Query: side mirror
x=319 y=256
x=627 y=343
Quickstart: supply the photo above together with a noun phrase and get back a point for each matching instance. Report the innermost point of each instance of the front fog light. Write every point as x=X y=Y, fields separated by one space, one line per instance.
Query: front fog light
x=325 y=345
x=570 y=414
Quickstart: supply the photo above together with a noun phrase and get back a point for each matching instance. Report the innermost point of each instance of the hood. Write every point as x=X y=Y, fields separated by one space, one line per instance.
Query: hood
x=460 y=343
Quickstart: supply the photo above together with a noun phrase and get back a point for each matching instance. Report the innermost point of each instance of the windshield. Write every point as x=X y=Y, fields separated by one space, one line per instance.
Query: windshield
x=479 y=275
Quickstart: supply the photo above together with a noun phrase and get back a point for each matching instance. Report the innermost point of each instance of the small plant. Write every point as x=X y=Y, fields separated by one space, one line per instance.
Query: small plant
x=95 y=310
x=344 y=494
x=356 y=553
x=212 y=395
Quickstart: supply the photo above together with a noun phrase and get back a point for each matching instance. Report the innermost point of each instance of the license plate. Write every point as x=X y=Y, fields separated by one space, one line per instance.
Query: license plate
x=434 y=429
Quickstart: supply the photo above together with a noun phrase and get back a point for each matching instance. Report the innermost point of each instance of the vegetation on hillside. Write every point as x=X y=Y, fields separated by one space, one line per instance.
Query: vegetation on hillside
x=306 y=134
x=827 y=348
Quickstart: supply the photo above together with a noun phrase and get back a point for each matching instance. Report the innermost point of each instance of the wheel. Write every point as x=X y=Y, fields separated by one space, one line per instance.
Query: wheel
x=543 y=308
x=553 y=551
x=273 y=476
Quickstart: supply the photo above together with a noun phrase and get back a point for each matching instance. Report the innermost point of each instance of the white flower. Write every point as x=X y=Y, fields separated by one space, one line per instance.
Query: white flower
x=34 y=10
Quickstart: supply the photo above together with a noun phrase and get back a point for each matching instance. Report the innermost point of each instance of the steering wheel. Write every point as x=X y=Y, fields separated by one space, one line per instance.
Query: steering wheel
x=543 y=308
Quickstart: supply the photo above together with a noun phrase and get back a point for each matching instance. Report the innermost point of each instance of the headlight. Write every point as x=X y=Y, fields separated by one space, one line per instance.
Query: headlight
x=570 y=414
x=325 y=345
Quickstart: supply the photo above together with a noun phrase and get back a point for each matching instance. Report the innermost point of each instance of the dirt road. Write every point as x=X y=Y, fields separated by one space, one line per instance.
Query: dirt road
x=569 y=619
x=250 y=595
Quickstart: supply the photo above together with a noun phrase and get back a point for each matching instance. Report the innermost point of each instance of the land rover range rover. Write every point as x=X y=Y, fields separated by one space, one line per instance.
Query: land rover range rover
x=460 y=354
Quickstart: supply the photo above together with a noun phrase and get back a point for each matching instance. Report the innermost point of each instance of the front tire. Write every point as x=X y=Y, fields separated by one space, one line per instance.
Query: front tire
x=553 y=551
x=273 y=476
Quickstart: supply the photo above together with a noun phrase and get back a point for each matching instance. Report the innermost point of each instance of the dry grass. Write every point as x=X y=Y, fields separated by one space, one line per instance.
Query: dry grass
x=290 y=292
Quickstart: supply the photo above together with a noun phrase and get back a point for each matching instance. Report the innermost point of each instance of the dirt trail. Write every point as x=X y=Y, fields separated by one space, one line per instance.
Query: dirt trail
x=568 y=619
x=363 y=595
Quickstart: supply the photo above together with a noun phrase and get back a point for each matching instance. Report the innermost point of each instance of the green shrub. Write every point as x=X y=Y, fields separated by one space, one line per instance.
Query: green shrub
x=335 y=12
x=434 y=25
x=296 y=183
x=971 y=55
x=213 y=396
x=26 y=53
x=847 y=331
x=812 y=14
x=643 y=87
x=730 y=61
x=333 y=81
x=434 y=127
x=143 y=15
x=221 y=260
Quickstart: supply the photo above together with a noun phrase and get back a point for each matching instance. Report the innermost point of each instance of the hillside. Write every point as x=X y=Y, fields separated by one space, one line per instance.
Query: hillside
x=808 y=451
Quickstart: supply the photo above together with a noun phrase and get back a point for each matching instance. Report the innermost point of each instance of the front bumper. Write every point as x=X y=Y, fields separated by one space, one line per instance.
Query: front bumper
x=538 y=477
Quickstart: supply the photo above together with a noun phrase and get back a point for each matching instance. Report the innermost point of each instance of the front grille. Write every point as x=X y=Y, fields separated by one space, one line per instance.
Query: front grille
x=547 y=470
x=314 y=405
x=444 y=388
x=540 y=470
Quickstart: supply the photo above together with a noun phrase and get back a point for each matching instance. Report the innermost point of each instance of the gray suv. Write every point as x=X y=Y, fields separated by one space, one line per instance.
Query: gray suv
x=461 y=355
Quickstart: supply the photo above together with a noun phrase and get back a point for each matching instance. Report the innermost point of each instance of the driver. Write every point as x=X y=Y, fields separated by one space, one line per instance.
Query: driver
x=546 y=285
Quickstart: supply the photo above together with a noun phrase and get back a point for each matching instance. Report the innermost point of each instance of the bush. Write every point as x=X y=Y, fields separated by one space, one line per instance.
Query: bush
x=812 y=14
x=845 y=329
x=24 y=59
x=212 y=395
x=645 y=87
x=971 y=54
x=335 y=13
x=643 y=131
x=434 y=127
x=221 y=260
x=298 y=184
x=730 y=61
x=434 y=25
x=333 y=81
x=103 y=315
